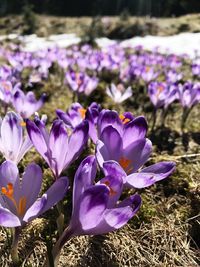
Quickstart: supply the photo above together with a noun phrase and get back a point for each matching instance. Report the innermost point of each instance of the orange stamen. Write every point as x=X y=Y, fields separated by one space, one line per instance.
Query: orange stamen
x=125 y=163
x=8 y=192
x=159 y=90
x=23 y=123
x=123 y=119
x=112 y=192
x=82 y=112
x=22 y=206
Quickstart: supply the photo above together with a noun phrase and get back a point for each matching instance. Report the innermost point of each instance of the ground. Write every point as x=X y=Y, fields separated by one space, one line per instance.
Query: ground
x=113 y=27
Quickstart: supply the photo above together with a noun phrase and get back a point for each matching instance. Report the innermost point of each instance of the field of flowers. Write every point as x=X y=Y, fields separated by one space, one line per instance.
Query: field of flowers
x=100 y=153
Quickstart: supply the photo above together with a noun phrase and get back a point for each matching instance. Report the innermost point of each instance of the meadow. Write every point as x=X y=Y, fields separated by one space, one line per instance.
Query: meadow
x=88 y=89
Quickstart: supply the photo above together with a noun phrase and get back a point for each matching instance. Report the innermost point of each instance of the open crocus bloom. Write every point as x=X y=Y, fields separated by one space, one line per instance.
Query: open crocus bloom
x=77 y=113
x=19 y=202
x=131 y=150
x=27 y=105
x=118 y=93
x=57 y=148
x=96 y=209
x=13 y=144
x=162 y=94
x=80 y=82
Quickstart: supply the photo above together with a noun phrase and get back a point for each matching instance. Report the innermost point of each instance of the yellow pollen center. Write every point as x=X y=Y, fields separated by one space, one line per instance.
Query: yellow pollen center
x=23 y=123
x=8 y=192
x=82 y=112
x=123 y=119
x=112 y=192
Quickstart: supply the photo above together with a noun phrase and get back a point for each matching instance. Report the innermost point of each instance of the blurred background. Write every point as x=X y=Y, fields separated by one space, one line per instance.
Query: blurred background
x=158 y=8
x=90 y=19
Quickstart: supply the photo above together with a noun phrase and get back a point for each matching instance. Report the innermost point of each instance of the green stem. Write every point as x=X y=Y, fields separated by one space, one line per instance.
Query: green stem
x=163 y=117
x=66 y=235
x=14 y=248
x=60 y=219
x=185 y=114
x=154 y=116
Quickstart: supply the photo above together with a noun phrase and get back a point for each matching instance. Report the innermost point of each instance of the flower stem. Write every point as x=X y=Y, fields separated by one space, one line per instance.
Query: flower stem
x=60 y=219
x=14 y=248
x=154 y=116
x=66 y=235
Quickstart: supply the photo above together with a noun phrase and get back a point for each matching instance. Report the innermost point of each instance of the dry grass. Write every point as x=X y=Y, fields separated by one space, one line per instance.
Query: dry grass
x=166 y=230
x=47 y=25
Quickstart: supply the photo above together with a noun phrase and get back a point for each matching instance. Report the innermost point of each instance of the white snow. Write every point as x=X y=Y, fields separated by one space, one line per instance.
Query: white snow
x=184 y=43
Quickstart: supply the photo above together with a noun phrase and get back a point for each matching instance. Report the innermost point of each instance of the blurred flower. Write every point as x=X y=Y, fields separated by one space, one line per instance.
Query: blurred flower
x=13 y=144
x=118 y=93
x=162 y=94
x=27 y=105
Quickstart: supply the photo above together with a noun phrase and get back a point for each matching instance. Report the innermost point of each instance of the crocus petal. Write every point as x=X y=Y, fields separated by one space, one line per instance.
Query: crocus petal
x=126 y=94
x=37 y=138
x=84 y=177
x=112 y=168
x=63 y=116
x=140 y=180
x=117 y=217
x=56 y=193
x=138 y=153
x=92 y=127
x=115 y=185
x=134 y=130
x=102 y=153
x=108 y=117
x=11 y=135
x=113 y=142
x=8 y=219
x=26 y=146
x=160 y=170
x=53 y=195
x=9 y=174
x=77 y=142
x=31 y=183
x=58 y=144
x=92 y=206
x=35 y=210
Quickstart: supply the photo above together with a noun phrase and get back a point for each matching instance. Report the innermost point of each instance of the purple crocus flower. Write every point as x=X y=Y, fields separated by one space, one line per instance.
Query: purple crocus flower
x=189 y=94
x=162 y=94
x=118 y=93
x=27 y=105
x=148 y=74
x=80 y=82
x=131 y=150
x=57 y=148
x=196 y=69
x=77 y=113
x=7 y=91
x=19 y=202
x=99 y=201
x=172 y=76
x=13 y=144
x=96 y=206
